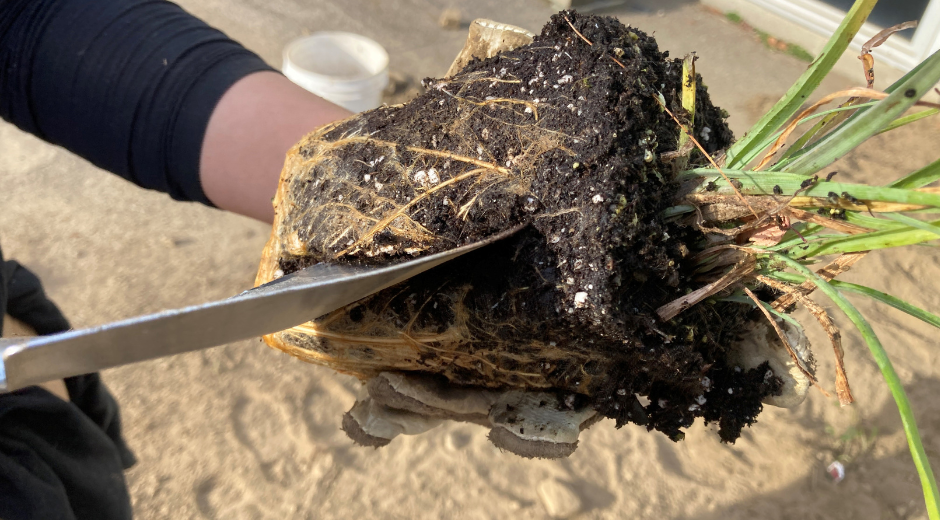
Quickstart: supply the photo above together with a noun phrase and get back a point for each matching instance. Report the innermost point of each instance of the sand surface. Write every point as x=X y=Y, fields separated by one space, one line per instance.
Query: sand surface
x=244 y=432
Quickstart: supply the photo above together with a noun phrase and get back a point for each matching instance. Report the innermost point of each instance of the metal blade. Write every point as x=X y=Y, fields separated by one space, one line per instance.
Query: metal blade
x=284 y=303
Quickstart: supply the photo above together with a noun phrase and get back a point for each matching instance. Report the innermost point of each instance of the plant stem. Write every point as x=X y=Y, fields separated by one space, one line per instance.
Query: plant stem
x=688 y=96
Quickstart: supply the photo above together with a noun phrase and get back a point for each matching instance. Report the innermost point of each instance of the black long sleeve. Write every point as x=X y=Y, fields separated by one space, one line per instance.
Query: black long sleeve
x=127 y=84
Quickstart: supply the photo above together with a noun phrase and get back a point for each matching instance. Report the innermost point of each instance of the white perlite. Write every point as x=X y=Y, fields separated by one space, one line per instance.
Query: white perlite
x=580 y=299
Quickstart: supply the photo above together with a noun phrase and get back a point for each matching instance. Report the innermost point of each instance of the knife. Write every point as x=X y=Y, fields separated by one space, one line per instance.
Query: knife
x=286 y=302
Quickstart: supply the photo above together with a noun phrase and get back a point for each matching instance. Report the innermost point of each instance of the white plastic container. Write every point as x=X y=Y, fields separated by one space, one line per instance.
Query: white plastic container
x=347 y=69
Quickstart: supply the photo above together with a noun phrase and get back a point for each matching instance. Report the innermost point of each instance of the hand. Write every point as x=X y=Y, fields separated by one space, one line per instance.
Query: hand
x=530 y=424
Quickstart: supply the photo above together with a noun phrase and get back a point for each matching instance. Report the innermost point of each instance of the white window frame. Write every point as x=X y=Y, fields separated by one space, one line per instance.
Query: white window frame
x=899 y=53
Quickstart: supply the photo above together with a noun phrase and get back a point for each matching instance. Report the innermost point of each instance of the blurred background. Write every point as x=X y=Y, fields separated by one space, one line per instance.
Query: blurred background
x=244 y=432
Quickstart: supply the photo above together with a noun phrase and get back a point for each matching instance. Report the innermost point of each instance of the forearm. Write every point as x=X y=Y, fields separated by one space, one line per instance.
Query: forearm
x=249 y=133
x=131 y=85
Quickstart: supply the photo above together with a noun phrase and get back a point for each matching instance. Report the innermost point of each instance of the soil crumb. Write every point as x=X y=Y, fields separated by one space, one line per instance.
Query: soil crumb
x=565 y=135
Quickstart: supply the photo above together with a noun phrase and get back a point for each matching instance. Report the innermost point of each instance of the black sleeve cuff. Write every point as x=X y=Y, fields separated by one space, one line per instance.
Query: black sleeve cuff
x=127 y=84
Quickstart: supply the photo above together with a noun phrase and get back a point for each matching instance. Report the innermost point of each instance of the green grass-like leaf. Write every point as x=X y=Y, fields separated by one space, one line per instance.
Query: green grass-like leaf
x=919 y=178
x=808 y=232
x=912 y=310
x=762 y=183
x=867 y=123
x=910 y=118
x=834 y=244
x=897 y=303
x=921 y=462
x=801 y=90
x=878 y=224
x=791 y=155
x=914 y=223
x=819 y=129
x=759 y=149
x=740 y=298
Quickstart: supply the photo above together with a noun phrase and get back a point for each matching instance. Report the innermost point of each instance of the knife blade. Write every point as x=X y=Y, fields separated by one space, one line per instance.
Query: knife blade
x=286 y=302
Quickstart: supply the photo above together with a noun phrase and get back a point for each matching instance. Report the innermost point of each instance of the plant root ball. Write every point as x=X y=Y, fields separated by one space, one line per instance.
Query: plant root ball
x=560 y=135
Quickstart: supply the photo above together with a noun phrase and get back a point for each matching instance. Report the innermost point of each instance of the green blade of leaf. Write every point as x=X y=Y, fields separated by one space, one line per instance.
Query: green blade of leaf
x=894 y=86
x=681 y=209
x=808 y=231
x=757 y=150
x=806 y=84
x=784 y=276
x=879 y=193
x=863 y=242
x=781 y=164
x=832 y=119
x=910 y=118
x=921 y=462
x=762 y=183
x=897 y=303
x=913 y=222
x=878 y=224
x=749 y=177
x=921 y=314
x=857 y=129
x=817 y=130
x=919 y=178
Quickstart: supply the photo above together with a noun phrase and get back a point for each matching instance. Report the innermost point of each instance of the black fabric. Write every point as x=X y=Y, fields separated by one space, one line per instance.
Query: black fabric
x=56 y=463
x=22 y=297
x=127 y=84
x=58 y=459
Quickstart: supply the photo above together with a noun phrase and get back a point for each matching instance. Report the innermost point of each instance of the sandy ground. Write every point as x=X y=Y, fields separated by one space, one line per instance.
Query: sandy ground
x=243 y=432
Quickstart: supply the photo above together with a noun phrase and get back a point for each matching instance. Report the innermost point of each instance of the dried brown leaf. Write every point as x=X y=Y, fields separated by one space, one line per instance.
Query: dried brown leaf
x=884 y=34
x=675 y=307
x=836 y=225
x=786 y=342
x=843 y=390
x=838 y=266
x=855 y=92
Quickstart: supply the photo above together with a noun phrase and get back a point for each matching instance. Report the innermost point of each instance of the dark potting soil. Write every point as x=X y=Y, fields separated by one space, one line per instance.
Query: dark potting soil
x=565 y=136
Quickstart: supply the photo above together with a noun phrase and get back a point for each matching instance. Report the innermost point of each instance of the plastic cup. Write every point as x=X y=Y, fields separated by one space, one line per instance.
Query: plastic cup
x=347 y=69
